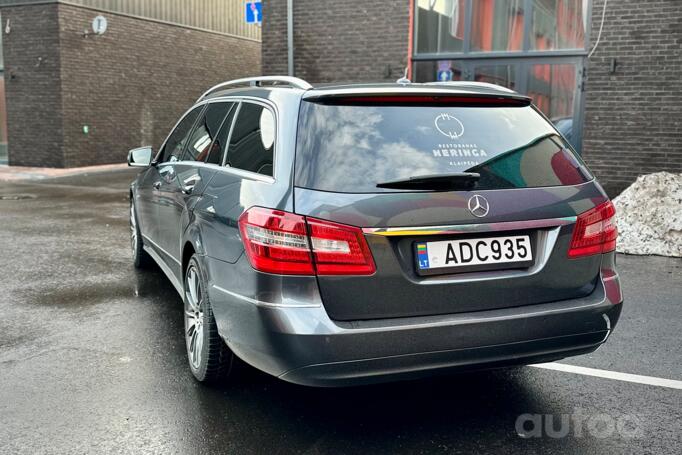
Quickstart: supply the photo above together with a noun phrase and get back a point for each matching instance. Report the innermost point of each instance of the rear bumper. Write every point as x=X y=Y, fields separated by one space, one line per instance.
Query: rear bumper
x=411 y=366
x=303 y=345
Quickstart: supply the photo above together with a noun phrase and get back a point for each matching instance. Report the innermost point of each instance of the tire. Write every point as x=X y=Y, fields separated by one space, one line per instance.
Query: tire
x=212 y=360
x=141 y=258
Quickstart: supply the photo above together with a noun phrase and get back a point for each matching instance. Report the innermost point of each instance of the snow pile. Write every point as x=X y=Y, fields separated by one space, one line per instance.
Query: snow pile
x=649 y=215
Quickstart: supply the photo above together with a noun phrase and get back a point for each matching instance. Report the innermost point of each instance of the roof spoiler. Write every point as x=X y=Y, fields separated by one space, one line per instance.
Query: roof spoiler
x=469 y=99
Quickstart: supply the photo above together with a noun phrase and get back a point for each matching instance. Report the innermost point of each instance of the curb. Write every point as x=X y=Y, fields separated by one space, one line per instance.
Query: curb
x=17 y=173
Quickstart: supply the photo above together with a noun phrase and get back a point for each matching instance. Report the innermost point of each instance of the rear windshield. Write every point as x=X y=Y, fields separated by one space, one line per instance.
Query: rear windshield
x=350 y=149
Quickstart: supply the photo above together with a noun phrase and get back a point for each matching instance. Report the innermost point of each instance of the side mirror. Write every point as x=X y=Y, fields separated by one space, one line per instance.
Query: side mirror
x=140 y=157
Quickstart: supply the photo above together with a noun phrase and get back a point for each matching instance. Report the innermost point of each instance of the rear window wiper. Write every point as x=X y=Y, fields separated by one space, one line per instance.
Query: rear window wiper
x=437 y=182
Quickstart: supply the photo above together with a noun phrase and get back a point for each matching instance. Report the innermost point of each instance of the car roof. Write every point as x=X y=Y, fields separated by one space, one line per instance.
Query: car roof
x=459 y=86
x=411 y=89
x=262 y=86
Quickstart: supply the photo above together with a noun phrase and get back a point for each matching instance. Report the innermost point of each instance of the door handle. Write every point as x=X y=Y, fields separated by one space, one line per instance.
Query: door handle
x=156 y=185
x=189 y=184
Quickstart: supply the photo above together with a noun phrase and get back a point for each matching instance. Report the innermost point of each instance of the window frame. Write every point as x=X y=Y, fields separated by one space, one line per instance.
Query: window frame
x=238 y=172
x=235 y=105
x=175 y=127
x=526 y=50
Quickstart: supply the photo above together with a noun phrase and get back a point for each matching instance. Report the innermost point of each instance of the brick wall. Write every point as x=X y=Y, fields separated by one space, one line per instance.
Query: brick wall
x=128 y=86
x=343 y=40
x=32 y=85
x=633 y=117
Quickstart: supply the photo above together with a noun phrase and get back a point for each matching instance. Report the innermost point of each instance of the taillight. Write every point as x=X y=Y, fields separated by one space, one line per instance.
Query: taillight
x=288 y=244
x=339 y=249
x=595 y=232
x=276 y=241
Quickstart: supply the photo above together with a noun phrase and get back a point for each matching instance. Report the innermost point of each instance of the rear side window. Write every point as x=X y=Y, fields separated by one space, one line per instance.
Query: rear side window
x=351 y=149
x=200 y=144
x=177 y=140
x=252 y=141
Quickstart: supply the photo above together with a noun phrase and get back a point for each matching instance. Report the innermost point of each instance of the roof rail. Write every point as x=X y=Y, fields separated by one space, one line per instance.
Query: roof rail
x=258 y=82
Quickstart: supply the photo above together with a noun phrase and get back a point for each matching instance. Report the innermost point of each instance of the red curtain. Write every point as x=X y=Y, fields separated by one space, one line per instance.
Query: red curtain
x=482 y=25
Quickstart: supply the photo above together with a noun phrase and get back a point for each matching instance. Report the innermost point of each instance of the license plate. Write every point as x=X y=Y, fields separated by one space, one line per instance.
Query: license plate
x=475 y=254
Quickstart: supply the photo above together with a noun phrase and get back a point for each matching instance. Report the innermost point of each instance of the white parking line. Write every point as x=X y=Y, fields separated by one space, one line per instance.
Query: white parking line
x=627 y=377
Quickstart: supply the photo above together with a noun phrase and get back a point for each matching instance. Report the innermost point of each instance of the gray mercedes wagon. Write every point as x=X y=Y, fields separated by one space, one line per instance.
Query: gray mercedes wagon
x=347 y=234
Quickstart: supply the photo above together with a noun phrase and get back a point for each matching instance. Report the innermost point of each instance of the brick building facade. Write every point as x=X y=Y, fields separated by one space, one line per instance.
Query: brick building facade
x=75 y=100
x=633 y=111
x=344 y=40
x=628 y=105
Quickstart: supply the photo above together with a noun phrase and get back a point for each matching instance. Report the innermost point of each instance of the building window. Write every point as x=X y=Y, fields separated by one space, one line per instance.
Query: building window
x=553 y=89
x=535 y=47
x=440 y=26
x=558 y=24
x=497 y=25
x=429 y=70
x=504 y=75
x=478 y=26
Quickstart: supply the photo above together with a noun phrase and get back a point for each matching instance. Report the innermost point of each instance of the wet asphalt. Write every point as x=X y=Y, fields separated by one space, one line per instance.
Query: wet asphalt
x=92 y=360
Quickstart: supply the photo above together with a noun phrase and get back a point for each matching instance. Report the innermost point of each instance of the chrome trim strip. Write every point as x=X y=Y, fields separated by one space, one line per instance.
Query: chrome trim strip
x=229 y=170
x=467 y=228
x=156 y=245
x=248 y=174
x=262 y=303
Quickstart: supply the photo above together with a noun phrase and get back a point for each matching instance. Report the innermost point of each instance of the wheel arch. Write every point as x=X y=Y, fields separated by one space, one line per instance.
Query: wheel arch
x=191 y=244
x=187 y=252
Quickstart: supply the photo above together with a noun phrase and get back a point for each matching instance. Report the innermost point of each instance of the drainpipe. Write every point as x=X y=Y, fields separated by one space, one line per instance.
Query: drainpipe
x=290 y=37
x=410 y=40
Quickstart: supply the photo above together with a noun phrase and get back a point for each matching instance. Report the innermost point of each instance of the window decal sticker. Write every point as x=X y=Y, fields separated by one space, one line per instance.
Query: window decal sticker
x=449 y=126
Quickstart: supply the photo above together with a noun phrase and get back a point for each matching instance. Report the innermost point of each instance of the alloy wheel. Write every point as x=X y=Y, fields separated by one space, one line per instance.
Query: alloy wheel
x=194 y=316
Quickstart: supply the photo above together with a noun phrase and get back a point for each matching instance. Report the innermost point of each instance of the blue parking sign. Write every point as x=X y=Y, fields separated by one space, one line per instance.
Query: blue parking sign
x=445 y=75
x=254 y=12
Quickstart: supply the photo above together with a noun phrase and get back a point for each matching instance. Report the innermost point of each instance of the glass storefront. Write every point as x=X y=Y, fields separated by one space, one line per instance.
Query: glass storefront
x=536 y=47
x=497 y=25
x=440 y=26
x=504 y=75
x=558 y=24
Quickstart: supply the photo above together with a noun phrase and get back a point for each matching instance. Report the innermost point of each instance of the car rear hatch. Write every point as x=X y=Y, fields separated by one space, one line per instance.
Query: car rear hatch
x=487 y=225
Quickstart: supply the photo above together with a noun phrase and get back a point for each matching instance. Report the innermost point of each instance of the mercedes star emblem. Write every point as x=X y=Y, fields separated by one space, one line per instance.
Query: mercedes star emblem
x=478 y=206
